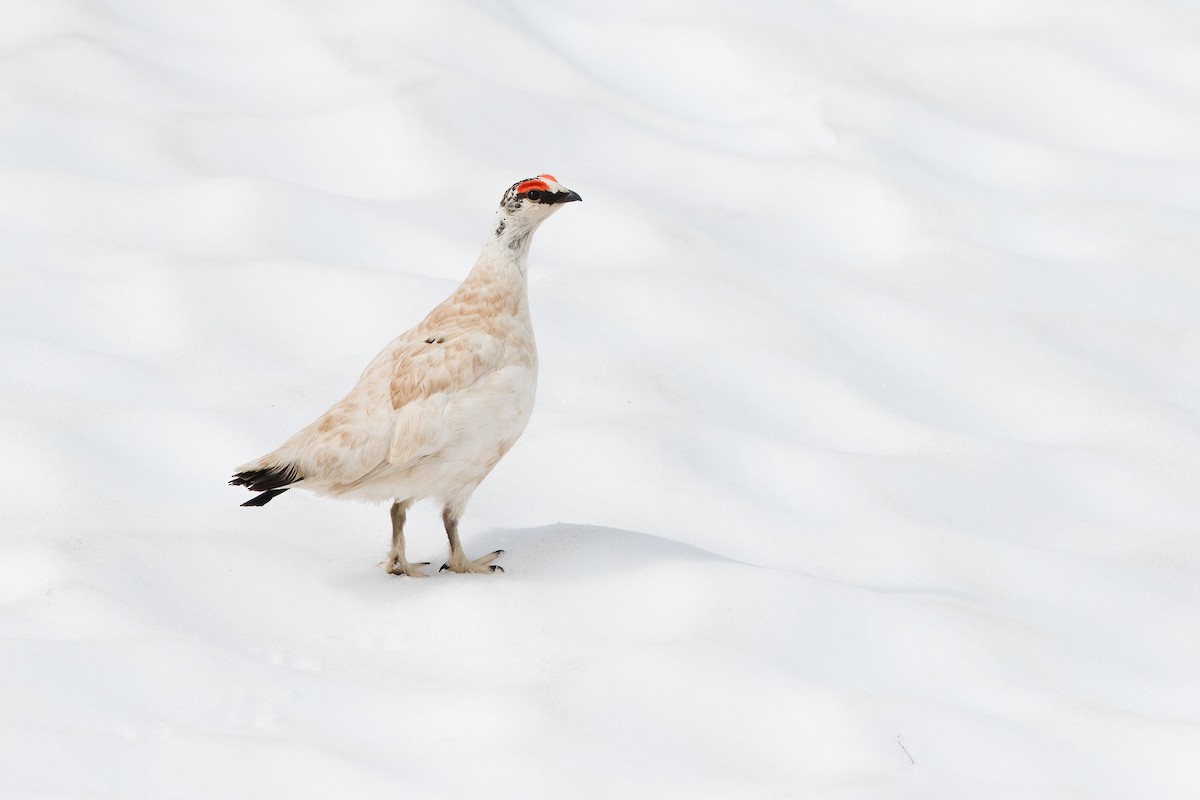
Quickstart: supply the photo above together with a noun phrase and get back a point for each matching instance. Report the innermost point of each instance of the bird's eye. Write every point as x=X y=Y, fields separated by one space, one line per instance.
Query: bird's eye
x=534 y=195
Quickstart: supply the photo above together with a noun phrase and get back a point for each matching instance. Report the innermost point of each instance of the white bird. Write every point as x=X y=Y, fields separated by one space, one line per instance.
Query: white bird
x=435 y=411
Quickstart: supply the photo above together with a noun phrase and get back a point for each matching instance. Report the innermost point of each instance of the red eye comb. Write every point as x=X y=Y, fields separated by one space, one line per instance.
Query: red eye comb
x=525 y=186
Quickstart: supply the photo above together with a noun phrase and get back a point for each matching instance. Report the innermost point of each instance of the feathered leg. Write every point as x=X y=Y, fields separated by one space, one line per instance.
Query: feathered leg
x=396 y=563
x=458 y=559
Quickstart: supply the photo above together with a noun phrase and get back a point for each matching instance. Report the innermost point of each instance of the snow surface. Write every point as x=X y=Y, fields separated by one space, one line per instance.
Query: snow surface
x=867 y=452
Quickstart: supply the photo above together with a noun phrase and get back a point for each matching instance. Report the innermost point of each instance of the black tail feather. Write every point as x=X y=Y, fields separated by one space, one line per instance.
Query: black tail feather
x=270 y=482
x=264 y=498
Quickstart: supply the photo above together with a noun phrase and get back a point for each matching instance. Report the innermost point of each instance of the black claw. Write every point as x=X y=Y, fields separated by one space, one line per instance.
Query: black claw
x=498 y=552
x=444 y=567
x=496 y=568
x=423 y=564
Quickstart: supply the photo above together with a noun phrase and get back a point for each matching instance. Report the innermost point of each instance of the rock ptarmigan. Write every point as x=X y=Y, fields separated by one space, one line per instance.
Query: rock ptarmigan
x=435 y=411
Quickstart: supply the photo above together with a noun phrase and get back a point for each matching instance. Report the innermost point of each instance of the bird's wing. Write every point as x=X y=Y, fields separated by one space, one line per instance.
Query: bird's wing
x=396 y=416
x=428 y=376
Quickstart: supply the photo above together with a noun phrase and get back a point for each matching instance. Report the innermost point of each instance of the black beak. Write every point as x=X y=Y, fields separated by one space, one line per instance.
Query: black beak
x=567 y=197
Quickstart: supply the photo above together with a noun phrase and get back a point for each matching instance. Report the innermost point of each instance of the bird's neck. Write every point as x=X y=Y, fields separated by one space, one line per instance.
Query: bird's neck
x=502 y=266
x=511 y=233
x=505 y=254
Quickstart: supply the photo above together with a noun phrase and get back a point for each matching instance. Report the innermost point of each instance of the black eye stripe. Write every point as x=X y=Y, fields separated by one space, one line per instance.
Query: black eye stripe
x=512 y=199
x=544 y=197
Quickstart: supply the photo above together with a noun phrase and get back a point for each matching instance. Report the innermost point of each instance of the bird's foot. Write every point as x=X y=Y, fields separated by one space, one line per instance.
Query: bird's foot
x=462 y=564
x=398 y=566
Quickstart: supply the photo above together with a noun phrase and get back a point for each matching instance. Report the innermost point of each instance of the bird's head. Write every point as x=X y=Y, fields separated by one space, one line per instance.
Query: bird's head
x=527 y=203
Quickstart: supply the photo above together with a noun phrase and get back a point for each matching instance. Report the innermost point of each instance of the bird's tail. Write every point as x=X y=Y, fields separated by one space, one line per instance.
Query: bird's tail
x=271 y=481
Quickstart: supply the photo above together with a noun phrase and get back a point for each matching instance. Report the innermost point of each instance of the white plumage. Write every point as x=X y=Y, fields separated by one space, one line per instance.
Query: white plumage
x=435 y=411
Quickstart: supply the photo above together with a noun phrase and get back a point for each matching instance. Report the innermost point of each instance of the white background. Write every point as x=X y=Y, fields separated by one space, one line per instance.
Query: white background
x=865 y=462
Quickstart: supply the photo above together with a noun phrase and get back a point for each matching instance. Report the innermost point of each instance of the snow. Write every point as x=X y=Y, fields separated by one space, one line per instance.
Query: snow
x=867 y=446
